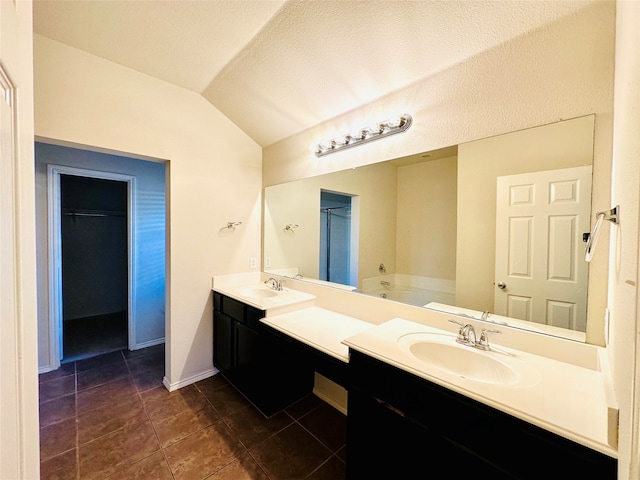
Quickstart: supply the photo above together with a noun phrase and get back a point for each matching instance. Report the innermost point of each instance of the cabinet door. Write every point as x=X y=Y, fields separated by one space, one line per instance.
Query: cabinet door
x=383 y=444
x=247 y=346
x=223 y=338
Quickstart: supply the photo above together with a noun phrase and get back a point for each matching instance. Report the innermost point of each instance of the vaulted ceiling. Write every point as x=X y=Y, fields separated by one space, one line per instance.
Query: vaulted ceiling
x=276 y=67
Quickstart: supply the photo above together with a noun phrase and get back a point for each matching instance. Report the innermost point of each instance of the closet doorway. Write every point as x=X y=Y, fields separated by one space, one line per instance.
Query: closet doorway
x=338 y=238
x=94 y=266
x=91 y=291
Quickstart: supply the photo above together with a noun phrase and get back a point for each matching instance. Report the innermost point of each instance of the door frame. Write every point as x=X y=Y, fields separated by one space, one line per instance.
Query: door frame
x=354 y=234
x=54 y=232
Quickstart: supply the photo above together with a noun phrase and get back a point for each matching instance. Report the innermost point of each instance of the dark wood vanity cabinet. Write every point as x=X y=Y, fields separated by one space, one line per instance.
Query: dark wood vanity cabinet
x=259 y=365
x=399 y=424
x=313 y=360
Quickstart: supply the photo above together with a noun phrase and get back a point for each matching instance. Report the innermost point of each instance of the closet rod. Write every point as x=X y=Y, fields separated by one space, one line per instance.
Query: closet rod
x=94 y=214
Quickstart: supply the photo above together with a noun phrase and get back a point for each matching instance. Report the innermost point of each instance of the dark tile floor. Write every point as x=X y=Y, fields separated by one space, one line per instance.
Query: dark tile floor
x=90 y=336
x=110 y=417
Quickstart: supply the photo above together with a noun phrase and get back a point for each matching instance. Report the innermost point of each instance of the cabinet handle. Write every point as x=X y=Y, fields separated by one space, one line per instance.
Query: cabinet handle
x=390 y=407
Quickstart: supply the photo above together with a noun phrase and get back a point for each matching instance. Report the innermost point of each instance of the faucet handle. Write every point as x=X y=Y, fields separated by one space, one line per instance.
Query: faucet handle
x=457 y=323
x=460 y=324
x=483 y=343
x=463 y=332
x=272 y=282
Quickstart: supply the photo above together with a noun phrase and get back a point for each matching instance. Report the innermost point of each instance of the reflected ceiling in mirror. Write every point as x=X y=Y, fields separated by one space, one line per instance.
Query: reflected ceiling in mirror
x=445 y=229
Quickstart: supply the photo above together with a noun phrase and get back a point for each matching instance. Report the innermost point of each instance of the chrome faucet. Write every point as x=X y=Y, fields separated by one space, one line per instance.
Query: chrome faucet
x=274 y=284
x=465 y=333
x=483 y=343
x=467 y=336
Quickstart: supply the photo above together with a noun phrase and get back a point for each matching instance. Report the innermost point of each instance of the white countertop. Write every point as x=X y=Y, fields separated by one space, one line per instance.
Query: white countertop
x=572 y=401
x=320 y=328
x=279 y=301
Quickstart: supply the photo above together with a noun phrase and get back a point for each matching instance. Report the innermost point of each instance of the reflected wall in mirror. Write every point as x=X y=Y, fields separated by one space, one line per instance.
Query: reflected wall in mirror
x=423 y=227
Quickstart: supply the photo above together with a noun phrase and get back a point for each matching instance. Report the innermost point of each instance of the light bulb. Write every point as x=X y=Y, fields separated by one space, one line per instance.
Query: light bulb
x=396 y=122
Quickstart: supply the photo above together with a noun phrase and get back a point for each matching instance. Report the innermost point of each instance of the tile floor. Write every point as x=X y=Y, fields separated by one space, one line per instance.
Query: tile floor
x=91 y=336
x=110 y=417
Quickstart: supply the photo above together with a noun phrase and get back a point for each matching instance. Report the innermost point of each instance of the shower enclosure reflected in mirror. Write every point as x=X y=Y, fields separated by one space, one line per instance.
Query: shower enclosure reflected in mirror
x=455 y=225
x=335 y=239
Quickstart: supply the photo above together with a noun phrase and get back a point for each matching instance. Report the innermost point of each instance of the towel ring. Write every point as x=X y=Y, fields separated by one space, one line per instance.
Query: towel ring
x=612 y=216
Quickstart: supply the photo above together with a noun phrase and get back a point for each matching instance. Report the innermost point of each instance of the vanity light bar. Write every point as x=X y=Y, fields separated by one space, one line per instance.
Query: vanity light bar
x=364 y=135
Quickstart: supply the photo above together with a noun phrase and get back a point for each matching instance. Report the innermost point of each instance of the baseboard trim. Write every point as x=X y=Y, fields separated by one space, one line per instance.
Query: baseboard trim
x=46 y=369
x=330 y=400
x=150 y=343
x=189 y=380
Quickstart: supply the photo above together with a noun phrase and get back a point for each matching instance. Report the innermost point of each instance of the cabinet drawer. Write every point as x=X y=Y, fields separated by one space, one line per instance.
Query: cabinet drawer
x=253 y=316
x=237 y=310
x=233 y=308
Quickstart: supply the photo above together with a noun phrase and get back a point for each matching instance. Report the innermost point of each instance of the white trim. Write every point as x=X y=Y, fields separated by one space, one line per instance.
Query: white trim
x=189 y=380
x=45 y=369
x=150 y=343
x=634 y=414
x=12 y=418
x=354 y=246
x=55 y=253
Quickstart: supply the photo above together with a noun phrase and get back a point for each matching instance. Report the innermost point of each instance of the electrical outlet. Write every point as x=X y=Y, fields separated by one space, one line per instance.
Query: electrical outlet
x=267 y=262
x=253 y=263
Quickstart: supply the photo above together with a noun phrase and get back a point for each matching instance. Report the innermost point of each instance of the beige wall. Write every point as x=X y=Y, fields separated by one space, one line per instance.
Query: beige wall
x=299 y=203
x=407 y=218
x=426 y=217
x=214 y=177
x=559 y=145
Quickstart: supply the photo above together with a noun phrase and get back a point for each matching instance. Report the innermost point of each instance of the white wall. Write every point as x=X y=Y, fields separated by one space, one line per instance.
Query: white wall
x=149 y=237
x=623 y=255
x=214 y=176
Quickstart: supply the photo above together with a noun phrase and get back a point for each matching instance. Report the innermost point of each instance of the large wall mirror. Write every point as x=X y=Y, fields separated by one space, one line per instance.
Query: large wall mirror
x=494 y=225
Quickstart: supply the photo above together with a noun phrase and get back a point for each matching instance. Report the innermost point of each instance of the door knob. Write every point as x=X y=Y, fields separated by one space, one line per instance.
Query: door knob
x=502 y=285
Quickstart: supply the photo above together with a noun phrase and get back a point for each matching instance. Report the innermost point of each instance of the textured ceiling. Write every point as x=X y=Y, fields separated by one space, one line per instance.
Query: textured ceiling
x=276 y=68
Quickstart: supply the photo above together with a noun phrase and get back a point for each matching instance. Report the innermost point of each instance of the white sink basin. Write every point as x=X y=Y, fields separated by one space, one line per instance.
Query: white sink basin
x=258 y=292
x=441 y=351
